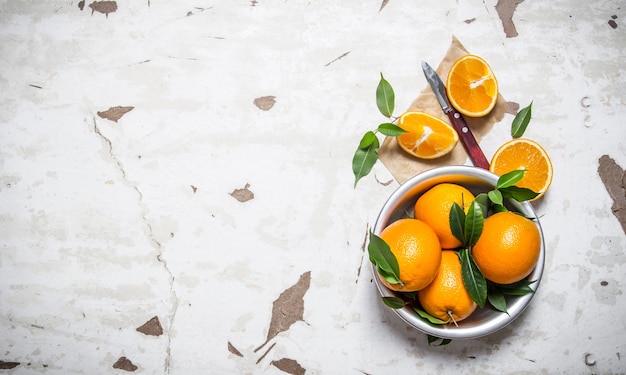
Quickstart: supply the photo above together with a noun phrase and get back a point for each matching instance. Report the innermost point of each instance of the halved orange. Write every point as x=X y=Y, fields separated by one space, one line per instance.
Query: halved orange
x=526 y=154
x=472 y=87
x=426 y=137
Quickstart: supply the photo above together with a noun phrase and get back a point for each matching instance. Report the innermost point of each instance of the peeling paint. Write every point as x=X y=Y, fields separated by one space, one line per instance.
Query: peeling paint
x=338 y=58
x=243 y=195
x=288 y=308
x=233 y=350
x=151 y=328
x=8 y=365
x=614 y=179
x=104 y=7
x=506 y=9
x=290 y=366
x=125 y=364
x=115 y=113
x=383 y=4
x=265 y=103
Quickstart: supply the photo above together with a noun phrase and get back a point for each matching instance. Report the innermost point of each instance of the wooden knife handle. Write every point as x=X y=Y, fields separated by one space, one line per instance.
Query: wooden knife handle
x=472 y=148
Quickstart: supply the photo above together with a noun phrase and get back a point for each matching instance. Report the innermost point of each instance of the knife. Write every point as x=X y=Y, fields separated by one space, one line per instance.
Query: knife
x=476 y=155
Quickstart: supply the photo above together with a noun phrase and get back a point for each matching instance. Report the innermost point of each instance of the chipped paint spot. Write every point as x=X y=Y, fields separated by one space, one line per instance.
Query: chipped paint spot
x=614 y=179
x=338 y=58
x=505 y=9
x=384 y=4
x=290 y=366
x=8 y=365
x=468 y=21
x=612 y=22
x=288 y=308
x=243 y=195
x=265 y=103
x=265 y=354
x=152 y=327
x=233 y=350
x=125 y=364
x=104 y=7
x=115 y=113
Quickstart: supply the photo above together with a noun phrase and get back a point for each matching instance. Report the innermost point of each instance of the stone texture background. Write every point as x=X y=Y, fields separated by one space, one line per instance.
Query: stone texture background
x=176 y=184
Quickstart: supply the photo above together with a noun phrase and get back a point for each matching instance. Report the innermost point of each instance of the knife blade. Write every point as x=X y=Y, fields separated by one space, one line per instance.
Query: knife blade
x=468 y=141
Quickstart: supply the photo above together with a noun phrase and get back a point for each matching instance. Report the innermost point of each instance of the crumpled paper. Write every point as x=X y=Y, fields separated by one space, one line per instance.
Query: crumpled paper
x=404 y=166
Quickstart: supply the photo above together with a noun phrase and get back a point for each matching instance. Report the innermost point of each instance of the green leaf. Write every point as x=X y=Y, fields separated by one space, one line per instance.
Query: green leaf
x=521 y=120
x=394 y=302
x=428 y=317
x=390 y=129
x=499 y=208
x=368 y=139
x=495 y=196
x=364 y=160
x=510 y=178
x=457 y=222
x=497 y=300
x=433 y=339
x=409 y=295
x=483 y=201
x=474 y=221
x=473 y=279
x=519 y=288
x=384 y=260
x=385 y=98
x=518 y=193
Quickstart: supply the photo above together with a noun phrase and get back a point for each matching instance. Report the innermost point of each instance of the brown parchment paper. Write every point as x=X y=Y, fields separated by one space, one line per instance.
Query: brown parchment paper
x=404 y=166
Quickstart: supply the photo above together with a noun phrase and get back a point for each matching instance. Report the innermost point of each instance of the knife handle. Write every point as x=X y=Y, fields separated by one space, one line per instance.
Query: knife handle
x=472 y=148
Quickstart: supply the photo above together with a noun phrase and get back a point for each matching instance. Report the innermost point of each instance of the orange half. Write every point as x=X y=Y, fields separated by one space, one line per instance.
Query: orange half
x=472 y=87
x=526 y=154
x=426 y=137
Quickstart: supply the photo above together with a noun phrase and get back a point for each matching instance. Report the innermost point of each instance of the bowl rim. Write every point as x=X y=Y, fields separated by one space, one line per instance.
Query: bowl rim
x=515 y=306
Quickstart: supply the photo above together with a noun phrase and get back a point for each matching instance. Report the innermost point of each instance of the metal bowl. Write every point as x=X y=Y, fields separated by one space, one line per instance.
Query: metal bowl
x=483 y=321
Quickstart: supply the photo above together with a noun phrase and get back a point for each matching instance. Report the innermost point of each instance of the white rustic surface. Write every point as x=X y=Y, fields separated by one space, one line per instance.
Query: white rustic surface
x=104 y=225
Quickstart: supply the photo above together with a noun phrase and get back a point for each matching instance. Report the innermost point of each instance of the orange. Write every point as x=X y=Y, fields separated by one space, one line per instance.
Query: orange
x=433 y=208
x=508 y=248
x=472 y=87
x=426 y=137
x=446 y=297
x=416 y=247
x=522 y=153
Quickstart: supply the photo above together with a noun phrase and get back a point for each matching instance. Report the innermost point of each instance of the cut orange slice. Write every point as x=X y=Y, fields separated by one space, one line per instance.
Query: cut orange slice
x=426 y=137
x=526 y=154
x=472 y=87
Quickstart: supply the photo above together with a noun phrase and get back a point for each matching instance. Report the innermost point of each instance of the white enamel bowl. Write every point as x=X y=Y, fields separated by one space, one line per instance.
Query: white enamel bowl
x=483 y=321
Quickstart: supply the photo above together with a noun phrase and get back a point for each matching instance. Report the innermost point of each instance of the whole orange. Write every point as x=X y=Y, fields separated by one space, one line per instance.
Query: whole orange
x=433 y=208
x=416 y=247
x=446 y=297
x=508 y=248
